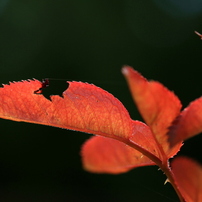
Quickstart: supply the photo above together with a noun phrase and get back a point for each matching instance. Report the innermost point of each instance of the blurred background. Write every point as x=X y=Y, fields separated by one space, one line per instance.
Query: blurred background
x=90 y=41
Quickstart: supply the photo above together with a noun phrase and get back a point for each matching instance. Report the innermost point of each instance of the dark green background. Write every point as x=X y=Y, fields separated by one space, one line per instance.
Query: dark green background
x=90 y=41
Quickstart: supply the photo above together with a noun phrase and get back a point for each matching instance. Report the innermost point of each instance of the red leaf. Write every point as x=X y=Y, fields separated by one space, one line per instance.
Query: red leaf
x=87 y=108
x=143 y=137
x=105 y=155
x=157 y=105
x=84 y=107
x=188 y=176
x=188 y=124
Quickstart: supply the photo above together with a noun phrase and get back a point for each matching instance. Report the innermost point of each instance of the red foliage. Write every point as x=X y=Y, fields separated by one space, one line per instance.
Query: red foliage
x=122 y=143
x=188 y=175
x=104 y=155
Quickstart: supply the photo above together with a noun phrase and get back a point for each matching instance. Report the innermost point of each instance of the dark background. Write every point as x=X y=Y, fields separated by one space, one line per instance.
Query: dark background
x=90 y=41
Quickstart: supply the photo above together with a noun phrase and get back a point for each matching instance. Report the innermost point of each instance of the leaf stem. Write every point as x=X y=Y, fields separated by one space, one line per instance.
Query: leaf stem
x=165 y=167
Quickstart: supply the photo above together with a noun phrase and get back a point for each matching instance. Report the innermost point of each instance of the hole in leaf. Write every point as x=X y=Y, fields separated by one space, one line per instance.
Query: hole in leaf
x=52 y=87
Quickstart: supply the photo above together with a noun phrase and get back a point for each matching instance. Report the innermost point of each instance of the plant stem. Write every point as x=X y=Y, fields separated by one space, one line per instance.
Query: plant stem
x=165 y=167
x=163 y=163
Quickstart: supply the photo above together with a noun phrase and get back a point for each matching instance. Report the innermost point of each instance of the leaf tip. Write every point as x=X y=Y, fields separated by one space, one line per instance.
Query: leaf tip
x=125 y=70
x=197 y=33
x=131 y=74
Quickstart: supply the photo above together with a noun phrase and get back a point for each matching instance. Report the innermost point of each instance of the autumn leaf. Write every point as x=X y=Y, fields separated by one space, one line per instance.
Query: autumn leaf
x=121 y=143
x=188 y=174
x=157 y=105
x=187 y=124
x=104 y=155
x=83 y=107
x=87 y=108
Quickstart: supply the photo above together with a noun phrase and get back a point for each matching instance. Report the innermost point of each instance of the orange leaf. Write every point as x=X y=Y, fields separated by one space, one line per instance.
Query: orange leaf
x=84 y=107
x=188 y=124
x=157 y=105
x=188 y=176
x=143 y=137
x=106 y=155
